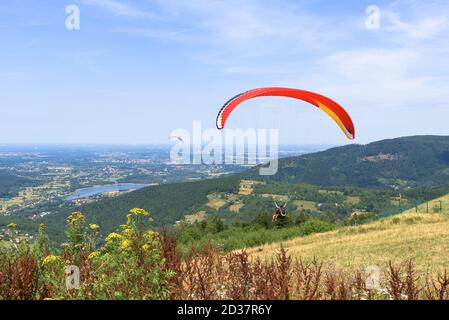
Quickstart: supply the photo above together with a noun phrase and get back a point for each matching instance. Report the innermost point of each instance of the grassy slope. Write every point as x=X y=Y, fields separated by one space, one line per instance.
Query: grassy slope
x=421 y=236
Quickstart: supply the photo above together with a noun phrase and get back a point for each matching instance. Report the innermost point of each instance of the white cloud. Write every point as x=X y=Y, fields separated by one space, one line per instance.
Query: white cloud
x=282 y=41
x=389 y=77
x=165 y=34
x=119 y=8
x=250 y=28
x=426 y=28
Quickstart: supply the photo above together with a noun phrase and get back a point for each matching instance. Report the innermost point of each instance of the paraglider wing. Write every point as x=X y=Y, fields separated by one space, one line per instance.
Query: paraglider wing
x=176 y=137
x=283 y=211
x=332 y=108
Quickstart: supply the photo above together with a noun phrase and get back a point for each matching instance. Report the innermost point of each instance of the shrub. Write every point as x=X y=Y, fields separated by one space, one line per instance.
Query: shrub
x=314 y=226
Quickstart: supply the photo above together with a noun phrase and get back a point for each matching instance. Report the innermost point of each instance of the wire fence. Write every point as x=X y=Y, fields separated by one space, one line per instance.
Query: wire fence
x=422 y=206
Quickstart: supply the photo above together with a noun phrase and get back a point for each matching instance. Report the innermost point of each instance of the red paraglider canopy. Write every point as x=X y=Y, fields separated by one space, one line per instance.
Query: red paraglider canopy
x=332 y=108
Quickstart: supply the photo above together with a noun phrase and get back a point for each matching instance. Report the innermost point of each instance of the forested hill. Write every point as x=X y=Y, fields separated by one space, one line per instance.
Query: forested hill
x=416 y=161
x=167 y=203
x=10 y=184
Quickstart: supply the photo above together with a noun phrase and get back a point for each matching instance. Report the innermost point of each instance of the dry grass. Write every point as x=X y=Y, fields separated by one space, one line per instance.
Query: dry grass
x=212 y=275
x=422 y=237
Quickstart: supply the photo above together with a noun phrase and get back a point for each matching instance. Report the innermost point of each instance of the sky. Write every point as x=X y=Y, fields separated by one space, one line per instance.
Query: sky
x=136 y=70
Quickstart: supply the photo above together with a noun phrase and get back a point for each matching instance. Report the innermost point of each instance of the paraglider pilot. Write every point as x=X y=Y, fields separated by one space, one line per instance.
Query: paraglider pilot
x=281 y=211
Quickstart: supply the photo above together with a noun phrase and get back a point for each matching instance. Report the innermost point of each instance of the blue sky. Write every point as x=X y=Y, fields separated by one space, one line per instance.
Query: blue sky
x=136 y=70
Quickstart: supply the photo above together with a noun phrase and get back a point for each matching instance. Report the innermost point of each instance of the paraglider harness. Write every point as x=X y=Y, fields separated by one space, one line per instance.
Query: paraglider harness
x=281 y=211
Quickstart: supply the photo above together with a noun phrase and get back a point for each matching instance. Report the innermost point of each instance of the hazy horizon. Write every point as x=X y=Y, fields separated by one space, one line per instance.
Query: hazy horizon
x=168 y=144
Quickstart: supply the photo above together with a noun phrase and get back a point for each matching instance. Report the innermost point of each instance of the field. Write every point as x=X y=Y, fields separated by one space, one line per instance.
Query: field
x=196 y=217
x=331 y=192
x=424 y=237
x=352 y=200
x=33 y=195
x=305 y=205
x=276 y=197
x=236 y=207
x=24 y=196
x=215 y=201
x=247 y=187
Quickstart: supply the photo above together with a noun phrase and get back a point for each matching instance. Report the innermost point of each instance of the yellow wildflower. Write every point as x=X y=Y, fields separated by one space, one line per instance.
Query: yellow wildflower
x=94 y=227
x=75 y=217
x=138 y=212
x=151 y=235
x=51 y=259
x=146 y=247
x=41 y=227
x=12 y=225
x=93 y=255
x=127 y=230
x=113 y=236
x=126 y=245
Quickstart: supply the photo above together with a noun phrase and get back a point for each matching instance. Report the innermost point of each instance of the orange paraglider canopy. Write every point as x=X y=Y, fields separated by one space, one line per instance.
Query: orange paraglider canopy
x=333 y=109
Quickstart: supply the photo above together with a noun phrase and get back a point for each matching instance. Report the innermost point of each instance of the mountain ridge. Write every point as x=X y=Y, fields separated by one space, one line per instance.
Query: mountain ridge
x=394 y=163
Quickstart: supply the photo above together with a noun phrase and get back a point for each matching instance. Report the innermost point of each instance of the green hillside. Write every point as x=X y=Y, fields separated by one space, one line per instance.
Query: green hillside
x=167 y=204
x=417 y=161
x=350 y=182
x=10 y=184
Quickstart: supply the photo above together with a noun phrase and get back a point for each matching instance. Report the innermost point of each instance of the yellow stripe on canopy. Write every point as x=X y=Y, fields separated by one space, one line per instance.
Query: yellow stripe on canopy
x=336 y=119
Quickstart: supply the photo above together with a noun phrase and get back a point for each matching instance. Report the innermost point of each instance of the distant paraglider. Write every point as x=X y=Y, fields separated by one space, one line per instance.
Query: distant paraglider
x=176 y=138
x=333 y=109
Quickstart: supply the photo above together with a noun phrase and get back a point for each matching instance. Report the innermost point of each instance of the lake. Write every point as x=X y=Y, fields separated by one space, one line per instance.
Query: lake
x=88 y=192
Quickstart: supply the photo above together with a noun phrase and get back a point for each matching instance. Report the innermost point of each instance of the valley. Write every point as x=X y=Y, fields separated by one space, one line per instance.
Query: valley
x=179 y=201
x=397 y=211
